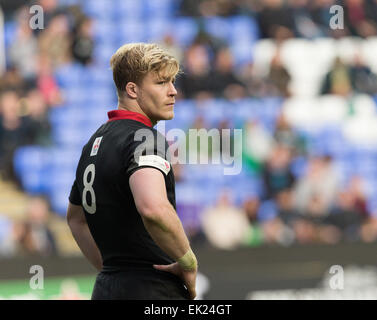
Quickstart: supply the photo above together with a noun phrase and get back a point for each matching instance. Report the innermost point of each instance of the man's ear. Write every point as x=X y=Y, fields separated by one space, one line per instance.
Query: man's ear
x=131 y=89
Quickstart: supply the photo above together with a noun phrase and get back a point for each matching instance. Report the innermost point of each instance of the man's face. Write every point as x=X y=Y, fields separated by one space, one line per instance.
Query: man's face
x=156 y=97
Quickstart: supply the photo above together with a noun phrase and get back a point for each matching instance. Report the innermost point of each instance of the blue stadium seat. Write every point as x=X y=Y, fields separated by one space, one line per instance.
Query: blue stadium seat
x=185 y=30
x=267 y=210
x=104 y=31
x=59 y=197
x=69 y=75
x=127 y=9
x=10 y=29
x=211 y=110
x=242 y=53
x=6 y=230
x=99 y=76
x=30 y=158
x=246 y=109
x=75 y=96
x=30 y=162
x=332 y=141
x=184 y=114
x=157 y=28
x=372 y=204
x=299 y=166
x=218 y=27
x=70 y=135
x=98 y=9
x=131 y=30
x=271 y=106
x=64 y=158
x=209 y=194
x=103 y=52
x=67 y=116
x=159 y=8
x=187 y=193
x=99 y=97
x=243 y=29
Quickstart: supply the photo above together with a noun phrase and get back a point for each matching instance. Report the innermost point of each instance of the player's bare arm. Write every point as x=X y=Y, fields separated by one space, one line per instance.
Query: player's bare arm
x=81 y=233
x=162 y=223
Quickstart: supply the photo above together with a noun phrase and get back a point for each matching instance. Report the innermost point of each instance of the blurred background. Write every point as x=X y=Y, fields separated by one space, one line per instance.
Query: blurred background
x=303 y=94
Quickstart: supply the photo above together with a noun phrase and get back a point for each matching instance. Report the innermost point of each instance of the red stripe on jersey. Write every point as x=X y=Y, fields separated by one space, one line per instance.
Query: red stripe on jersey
x=125 y=114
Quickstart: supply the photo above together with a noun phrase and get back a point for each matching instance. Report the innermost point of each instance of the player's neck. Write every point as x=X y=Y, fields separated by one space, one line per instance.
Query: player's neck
x=133 y=108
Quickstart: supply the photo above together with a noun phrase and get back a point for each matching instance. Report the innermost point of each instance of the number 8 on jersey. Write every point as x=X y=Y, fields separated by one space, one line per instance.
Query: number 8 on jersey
x=88 y=187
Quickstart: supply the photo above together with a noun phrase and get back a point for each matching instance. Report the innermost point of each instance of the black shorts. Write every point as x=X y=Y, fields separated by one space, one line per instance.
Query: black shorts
x=138 y=285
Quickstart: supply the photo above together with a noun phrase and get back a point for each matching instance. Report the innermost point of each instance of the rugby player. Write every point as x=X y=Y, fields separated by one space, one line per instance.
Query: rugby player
x=122 y=210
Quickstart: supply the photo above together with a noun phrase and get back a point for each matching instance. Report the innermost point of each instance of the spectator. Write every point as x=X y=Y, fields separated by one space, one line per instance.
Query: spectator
x=47 y=84
x=371 y=11
x=272 y=82
x=304 y=231
x=362 y=78
x=54 y=41
x=7 y=246
x=13 y=81
x=312 y=226
x=321 y=15
x=224 y=225
x=278 y=77
x=50 y=10
x=196 y=81
x=276 y=21
x=345 y=216
x=83 y=43
x=218 y=8
x=33 y=235
x=224 y=81
x=23 y=51
x=368 y=230
x=258 y=143
x=286 y=207
x=304 y=26
x=254 y=81
x=357 y=18
x=273 y=228
x=39 y=124
x=285 y=135
x=254 y=235
x=348 y=214
x=13 y=132
x=207 y=8
x=356 y=188
x=169 y=43
x=318 y=187
x=190 y=8
x=196 y=147
x=338 y=80
x=277 y=173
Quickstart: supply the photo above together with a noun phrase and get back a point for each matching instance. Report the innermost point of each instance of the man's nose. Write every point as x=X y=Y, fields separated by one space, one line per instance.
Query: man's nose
x=172 y=90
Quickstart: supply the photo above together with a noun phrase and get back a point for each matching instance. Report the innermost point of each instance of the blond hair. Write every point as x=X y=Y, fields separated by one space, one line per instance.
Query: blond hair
x=131 y=62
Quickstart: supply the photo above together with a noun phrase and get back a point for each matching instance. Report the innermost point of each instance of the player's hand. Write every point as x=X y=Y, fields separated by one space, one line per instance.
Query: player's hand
x=188 y=277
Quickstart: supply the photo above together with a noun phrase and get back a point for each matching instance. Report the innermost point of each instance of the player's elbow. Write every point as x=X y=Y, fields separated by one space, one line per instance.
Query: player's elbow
x=153 y=211
x=75 y=216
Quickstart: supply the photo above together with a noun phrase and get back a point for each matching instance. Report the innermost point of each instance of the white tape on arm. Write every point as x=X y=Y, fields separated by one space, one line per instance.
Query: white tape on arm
x=155 y=161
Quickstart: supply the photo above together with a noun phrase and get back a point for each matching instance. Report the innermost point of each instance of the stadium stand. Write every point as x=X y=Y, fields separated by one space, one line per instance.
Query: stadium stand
x=340 y=126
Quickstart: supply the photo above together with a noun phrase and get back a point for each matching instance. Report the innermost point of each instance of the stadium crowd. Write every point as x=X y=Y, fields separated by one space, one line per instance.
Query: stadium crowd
x=311 y=207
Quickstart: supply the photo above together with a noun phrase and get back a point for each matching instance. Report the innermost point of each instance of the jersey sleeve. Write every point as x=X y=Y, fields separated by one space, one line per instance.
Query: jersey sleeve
x=74 y=196
x=150 y=152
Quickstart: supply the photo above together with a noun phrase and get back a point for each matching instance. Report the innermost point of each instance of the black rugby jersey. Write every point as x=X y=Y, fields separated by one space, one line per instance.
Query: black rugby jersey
x=102 y=188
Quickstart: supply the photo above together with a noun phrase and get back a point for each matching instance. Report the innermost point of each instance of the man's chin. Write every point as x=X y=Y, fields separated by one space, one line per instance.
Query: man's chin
x=169 y=116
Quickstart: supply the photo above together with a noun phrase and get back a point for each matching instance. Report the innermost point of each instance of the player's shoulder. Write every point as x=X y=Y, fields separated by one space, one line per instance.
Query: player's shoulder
x=144 y=134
